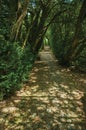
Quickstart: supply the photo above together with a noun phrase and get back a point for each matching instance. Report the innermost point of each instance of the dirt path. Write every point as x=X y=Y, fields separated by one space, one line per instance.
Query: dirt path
x=51 y=100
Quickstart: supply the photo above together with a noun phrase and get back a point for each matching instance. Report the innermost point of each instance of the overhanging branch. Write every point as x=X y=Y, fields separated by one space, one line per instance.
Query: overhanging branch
x=57 y=14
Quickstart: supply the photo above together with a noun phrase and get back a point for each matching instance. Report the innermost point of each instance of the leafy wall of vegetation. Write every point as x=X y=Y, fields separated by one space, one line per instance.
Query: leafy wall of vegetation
x=68 y=36
x=15 y=64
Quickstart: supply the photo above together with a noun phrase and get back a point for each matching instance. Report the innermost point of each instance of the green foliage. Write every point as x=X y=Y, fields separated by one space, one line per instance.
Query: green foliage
x=63 y=33
x=15 y=64
x=60 y=44
x=80 y=61
x=15 y=61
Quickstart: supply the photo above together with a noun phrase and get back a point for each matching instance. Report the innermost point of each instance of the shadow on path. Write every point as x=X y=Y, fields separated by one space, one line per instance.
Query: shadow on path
x=51 y=100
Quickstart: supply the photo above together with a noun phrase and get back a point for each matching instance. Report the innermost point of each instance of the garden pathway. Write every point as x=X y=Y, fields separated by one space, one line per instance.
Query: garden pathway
x=52 y=99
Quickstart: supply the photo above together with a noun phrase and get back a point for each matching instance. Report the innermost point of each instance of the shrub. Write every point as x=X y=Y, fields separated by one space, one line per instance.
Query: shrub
x=15 y=64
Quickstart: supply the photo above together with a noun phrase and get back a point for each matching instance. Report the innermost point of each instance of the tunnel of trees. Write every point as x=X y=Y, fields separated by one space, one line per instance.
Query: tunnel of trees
x=24 y=24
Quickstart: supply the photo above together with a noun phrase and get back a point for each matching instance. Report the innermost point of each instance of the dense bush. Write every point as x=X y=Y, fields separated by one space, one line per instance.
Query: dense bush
x=15 y=64
x=60 y=45
x=61 y=48
x=80 y=61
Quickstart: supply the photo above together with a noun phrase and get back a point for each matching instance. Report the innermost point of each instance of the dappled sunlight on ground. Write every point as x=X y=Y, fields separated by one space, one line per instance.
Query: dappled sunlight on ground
x=51 y=100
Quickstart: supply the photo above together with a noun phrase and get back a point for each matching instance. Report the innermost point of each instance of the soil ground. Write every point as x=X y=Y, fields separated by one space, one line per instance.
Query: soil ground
x=52 y=99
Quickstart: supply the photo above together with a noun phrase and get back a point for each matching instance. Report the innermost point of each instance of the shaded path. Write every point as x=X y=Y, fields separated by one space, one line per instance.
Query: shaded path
x=51 y=100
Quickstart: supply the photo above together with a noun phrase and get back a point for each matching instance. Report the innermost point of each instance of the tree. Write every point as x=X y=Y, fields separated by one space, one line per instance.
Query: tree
x=68 y=42
x=81 y=17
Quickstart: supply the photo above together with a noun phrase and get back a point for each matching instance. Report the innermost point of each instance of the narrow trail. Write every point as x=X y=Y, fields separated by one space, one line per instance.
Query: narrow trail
x=50 y=100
